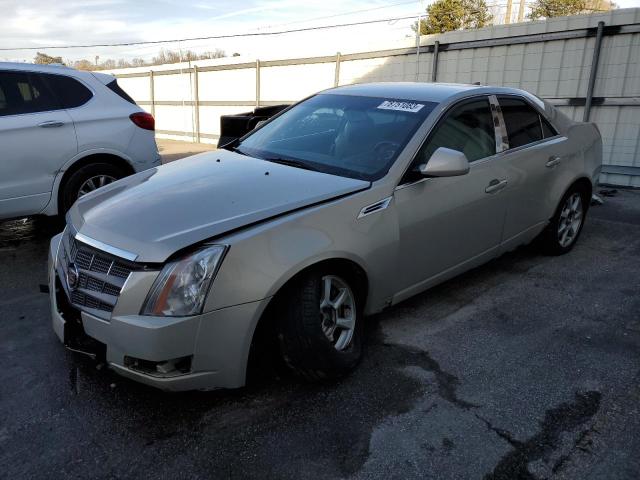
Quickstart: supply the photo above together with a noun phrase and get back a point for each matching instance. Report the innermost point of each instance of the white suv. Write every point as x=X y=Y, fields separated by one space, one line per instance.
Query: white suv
x=63 y=133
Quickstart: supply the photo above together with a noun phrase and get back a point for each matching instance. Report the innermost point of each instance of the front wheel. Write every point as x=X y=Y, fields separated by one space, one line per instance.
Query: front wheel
x=564 y=228
x=319 y=325
x=85 y=180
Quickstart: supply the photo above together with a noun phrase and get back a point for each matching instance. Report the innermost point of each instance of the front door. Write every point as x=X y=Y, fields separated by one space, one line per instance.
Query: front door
x=449 y=224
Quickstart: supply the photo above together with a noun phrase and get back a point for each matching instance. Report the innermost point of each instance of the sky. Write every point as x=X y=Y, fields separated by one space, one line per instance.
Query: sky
x=38 y=23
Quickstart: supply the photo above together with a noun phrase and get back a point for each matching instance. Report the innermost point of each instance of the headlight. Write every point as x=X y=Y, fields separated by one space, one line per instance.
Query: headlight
x=182 y=286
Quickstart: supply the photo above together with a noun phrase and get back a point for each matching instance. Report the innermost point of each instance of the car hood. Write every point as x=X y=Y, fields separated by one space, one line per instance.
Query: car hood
x=154 y=213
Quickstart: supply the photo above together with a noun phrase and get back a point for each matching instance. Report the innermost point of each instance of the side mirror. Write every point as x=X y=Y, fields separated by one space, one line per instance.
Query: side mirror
x=445 y=162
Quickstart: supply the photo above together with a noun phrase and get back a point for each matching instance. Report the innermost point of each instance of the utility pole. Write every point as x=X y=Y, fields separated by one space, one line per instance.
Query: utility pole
x=418 y=50
x=418 y=26
x=521 y=12
x=507 y=18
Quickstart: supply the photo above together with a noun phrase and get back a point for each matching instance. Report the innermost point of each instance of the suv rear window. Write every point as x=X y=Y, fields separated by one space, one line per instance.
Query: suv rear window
x=114 y=87
x=70 y=92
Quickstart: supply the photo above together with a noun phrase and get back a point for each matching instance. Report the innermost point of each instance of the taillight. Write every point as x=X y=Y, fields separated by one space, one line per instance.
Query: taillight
x=143 y=120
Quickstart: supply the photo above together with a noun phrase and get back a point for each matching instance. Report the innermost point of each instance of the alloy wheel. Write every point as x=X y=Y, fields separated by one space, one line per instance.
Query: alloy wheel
x=570 y=220
x=94 y=183
x=337 y=311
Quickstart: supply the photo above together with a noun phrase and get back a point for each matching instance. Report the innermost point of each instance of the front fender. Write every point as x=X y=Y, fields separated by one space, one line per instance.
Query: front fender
x=263 y=258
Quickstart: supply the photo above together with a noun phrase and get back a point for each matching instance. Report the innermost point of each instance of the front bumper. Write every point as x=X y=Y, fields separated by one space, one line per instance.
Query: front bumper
x=217 y=343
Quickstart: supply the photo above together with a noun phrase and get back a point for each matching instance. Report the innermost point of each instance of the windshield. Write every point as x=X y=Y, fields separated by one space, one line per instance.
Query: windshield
x=346 y=135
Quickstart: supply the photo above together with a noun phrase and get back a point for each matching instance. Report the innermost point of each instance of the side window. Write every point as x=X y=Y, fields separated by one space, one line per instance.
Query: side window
x=523 y=122
x=547 y=128
x=3 y=98
x=468 y=128
x=24 y=92
x=117 y=89
x=70 y=92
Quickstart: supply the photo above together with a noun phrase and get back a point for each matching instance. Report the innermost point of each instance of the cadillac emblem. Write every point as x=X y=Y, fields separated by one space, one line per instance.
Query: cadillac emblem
x=73 y=276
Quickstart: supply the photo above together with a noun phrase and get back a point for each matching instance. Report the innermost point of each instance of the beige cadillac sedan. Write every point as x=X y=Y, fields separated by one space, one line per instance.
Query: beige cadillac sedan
x=345 y=203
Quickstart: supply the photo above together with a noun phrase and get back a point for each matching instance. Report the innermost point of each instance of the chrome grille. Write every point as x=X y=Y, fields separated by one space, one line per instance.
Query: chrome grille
x=78 y=298
x=101 y=276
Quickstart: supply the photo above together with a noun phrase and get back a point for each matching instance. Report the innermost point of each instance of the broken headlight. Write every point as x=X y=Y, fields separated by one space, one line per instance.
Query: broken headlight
x=182 y=286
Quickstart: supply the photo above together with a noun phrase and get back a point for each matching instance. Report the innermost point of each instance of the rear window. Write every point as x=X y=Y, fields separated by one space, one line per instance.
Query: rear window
x=70 y=92
x=117 y=89
x=522 y=121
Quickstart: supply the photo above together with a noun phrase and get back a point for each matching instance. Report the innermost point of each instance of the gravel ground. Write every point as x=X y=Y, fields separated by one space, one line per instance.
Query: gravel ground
x=525 y=368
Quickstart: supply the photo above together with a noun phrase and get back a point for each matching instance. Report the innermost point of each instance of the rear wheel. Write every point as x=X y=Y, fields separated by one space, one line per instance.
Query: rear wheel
x=87 y=179
x=319 y=325
x=564 y=229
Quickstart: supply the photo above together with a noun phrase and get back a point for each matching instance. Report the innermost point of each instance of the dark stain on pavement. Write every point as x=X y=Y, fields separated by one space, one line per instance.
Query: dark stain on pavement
x=447 y=383
x=563 y=418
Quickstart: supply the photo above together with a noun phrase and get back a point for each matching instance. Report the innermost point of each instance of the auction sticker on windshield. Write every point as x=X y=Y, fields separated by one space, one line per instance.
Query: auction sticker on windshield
x=401 y=106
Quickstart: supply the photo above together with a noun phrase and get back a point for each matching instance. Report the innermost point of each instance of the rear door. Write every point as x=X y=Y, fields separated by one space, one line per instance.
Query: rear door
x=534 y=159
x=37 y=137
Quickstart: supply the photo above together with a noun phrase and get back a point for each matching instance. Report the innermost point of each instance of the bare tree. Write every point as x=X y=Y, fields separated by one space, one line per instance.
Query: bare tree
x=44 y=59
x=164 y=56
x=83 y=64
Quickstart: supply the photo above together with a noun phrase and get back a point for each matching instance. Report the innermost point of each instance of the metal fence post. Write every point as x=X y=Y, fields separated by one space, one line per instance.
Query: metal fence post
x=152 y=93
x=196 y=103
x=336 y=78
x=434 y=63
x=594 y=71
x=257 y=83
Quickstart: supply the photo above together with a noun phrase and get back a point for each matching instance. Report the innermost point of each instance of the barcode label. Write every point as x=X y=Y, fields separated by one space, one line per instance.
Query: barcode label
x=401 y=106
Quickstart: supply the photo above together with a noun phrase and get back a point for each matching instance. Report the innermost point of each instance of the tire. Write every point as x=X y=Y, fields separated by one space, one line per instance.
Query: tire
x=303 y=325
x=71 y=190
x=564 y=229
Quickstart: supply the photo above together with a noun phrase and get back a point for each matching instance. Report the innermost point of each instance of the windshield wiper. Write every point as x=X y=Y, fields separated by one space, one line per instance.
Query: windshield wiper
x=231 y=146
x=292 y=163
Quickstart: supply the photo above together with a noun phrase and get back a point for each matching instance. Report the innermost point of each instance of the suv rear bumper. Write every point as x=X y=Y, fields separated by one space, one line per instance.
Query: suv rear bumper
x=214 y=345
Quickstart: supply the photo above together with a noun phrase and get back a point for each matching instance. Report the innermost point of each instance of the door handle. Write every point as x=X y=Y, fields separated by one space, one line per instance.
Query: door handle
x=51 y=124
x=553 y=161
x=496 y=185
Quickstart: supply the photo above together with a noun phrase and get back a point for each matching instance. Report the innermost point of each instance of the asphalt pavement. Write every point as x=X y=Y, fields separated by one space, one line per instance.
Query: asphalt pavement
x=525 y=368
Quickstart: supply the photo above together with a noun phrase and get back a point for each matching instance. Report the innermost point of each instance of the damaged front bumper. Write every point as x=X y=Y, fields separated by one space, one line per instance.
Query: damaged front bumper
x=201 y=352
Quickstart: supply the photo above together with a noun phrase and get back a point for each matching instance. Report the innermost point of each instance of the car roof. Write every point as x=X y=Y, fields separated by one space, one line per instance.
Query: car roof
x=421 y=91
x=52 y=68
x=60 y=69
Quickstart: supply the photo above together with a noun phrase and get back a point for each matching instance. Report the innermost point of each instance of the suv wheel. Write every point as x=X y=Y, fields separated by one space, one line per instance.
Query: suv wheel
x=319 y=325
x=87 y=179
x=564 y=229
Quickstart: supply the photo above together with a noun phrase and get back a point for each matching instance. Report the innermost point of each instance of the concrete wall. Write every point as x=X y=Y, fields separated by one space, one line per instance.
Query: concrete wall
x=549 y=58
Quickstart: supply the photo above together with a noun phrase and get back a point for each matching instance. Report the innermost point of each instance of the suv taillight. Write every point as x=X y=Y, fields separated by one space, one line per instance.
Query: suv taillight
x=143 y=120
